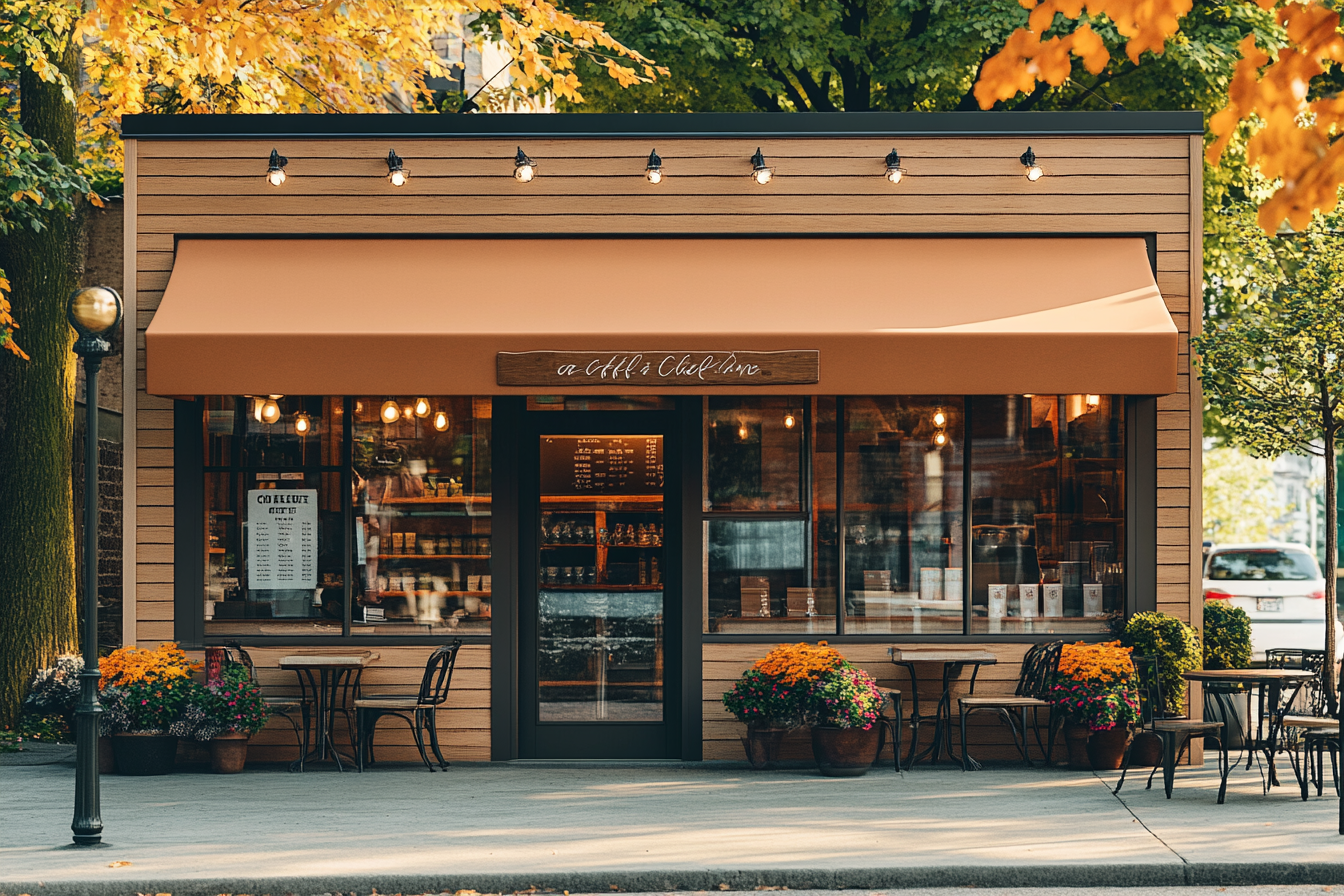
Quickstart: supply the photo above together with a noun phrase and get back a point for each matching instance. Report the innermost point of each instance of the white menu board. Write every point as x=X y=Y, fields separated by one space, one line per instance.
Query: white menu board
x=281 y=539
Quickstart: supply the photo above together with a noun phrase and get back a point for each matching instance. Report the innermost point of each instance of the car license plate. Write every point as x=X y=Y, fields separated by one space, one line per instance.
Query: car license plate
x=1269 y=604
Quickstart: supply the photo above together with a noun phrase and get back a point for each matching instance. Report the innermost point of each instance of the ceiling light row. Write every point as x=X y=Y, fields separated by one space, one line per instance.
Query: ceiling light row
x=525 y=169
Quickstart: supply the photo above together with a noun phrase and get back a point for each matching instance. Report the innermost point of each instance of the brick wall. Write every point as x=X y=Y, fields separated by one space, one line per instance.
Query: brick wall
x=109 y=533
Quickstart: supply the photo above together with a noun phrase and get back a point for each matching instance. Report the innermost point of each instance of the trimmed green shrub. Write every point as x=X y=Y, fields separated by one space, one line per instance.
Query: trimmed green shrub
x=1227 y=636
x=1176 y=646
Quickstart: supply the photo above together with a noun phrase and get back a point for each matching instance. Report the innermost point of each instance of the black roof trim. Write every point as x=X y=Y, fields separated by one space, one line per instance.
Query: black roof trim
x=759 y=125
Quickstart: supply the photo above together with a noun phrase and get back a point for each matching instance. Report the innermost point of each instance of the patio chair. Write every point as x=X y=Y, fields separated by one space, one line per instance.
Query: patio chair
x=1040 y=663
x=1305 y=722
x=1175 y=733
x=417 y=710
x=285 y=707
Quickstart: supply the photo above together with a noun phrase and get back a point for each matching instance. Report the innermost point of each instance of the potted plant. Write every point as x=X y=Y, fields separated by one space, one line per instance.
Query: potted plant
x=844 y=708
x=1176 y=646
x=771 y=697
x=1094 y=692
x=225 y=714
x=1227 y=645
x=143 y=692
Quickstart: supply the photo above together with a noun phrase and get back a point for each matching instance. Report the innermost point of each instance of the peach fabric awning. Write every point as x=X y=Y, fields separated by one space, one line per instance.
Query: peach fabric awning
x=888 y=315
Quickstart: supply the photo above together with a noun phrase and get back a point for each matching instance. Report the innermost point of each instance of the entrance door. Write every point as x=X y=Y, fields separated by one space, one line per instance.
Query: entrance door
x=599 y=586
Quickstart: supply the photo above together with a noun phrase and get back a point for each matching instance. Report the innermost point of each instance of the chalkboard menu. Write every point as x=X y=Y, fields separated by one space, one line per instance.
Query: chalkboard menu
x=601 y=465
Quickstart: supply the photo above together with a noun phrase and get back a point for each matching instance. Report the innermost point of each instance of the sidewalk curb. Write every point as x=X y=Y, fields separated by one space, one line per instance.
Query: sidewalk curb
x=1093 y=875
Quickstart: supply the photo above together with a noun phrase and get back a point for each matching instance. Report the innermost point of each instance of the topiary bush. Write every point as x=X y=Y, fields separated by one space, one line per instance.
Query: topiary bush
x=1176 y=646
x=1227 y=636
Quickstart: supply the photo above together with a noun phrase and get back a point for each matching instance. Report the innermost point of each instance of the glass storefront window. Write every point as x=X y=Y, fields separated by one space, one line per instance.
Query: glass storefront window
x=1047 y=513
x=903 y=515
x=421 y=507
x=754 y=454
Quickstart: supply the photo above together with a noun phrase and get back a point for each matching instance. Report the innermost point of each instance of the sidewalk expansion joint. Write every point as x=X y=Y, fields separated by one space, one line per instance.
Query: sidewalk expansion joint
x=1151 y=832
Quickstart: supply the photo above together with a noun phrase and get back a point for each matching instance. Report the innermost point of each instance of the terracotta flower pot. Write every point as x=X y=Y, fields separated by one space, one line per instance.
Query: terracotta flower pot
x=845 y=752
x=145 y=754
x=228 y=753
x=762 y=745
x=1106 y=749
x=1075 y=737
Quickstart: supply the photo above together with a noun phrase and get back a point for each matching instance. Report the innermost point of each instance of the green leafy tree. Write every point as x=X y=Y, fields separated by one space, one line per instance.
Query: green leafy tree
x=1270 y=361
x=1240 y=501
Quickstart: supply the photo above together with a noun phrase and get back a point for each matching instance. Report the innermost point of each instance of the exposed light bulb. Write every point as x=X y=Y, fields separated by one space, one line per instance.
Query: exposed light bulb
x=1034 y=173
x=276 y=176
x=303 y=424
x=939 y=418
x=275 y=171
x=524 y=173
x=940 y=438
x=256 y=408
x=743 y=432
x=653 y=172
x=762 y=175
x=398 y=178
x=422 y=407
x=396 y=169
x=790 y=421
x=894 y=170
x=441 y=421
x=894 y=175
x=408 y=412
x=1033 y=170
x=270 y=411
x=390 y=411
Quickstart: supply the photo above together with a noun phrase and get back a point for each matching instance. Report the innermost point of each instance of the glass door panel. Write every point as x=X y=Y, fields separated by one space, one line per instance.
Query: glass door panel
x=599 y=579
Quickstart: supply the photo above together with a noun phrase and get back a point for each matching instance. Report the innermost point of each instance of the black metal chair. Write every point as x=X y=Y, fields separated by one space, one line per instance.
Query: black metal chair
x=1033 y=683
x=891 y=726
x=1175 y=733
x=284 y=707
x=417 y=710
x=1305 y=721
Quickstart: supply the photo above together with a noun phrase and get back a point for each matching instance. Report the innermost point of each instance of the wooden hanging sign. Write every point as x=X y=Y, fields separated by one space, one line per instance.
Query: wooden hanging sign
x=657 y=368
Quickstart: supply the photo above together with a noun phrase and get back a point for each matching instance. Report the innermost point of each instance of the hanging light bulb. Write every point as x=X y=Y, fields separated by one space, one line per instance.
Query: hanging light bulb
x=441 y=421
x=743 y=432
x=894 y=170
x=422 y=407
x=390 y=411
x=939 y=439
x=256 y=407
x=303 y=424
x=760 y=172
x=275 y=173
x=270 y=411
x=653 y=172
x=524 y=169
x=939 y=418
x=408 y=411
x=397 y=175
x=1034 y=171
x=790 y=421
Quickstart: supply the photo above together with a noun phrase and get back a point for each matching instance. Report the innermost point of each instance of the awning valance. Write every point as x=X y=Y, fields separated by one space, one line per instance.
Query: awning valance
x=886 y=315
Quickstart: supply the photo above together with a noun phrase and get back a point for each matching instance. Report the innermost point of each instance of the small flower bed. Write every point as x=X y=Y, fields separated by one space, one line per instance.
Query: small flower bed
x=797 y=684
x=1095 y=686
x=232 y=705
x=143 y=691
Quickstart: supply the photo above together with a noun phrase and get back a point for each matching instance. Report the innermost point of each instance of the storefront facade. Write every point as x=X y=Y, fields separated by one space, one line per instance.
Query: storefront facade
x=621 y=433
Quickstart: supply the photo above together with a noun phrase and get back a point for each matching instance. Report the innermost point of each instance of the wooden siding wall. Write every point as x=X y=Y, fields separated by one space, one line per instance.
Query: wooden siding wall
x=464 y=187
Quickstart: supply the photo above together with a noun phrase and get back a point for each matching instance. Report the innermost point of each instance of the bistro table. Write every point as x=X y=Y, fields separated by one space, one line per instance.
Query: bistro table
x=324 y=675
x=954 y=661
x=1271 y=684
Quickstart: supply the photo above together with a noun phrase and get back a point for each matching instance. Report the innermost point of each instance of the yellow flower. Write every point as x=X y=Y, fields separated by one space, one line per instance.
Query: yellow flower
x=792 y=663
x=128 y=665
x=1096 y=662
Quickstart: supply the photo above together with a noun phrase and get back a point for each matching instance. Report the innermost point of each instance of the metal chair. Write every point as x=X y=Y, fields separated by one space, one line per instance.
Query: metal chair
x=1175 y=733
x=891 y=726
x=278 y=706
x=1306 y=722
x=417 y=710
x=1033 y=682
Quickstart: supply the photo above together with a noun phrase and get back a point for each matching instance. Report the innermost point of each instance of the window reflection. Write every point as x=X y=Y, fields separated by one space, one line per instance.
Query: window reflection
x=1047 y=519
x=903 y=515
x=754 y=453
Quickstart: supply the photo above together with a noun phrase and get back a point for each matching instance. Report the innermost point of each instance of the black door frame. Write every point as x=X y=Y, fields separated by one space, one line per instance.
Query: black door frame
x=515 y=558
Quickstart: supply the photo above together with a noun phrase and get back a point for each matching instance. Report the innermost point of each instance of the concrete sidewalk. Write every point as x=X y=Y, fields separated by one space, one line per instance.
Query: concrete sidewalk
x=508 y=827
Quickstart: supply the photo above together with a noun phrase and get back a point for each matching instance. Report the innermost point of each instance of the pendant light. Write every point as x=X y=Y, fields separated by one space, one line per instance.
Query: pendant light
x=790 y=421
x=939 y=418
x=422 y=407
x=390 y=411
x=270 y=410
x=303 y=424
x=441 y=422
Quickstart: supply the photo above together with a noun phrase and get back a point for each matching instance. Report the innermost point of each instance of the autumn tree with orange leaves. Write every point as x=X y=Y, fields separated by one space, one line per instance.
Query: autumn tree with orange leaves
x=68 y=72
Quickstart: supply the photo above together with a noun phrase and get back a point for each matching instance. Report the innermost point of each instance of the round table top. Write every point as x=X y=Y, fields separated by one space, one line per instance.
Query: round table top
x=1248 y=675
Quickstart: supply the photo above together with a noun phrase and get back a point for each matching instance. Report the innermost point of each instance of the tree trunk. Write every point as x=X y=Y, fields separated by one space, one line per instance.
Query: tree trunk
x=1331 y=553
x=38 y=617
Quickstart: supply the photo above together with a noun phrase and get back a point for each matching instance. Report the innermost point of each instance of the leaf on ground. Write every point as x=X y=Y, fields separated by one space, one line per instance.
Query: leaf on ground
x=723 y=886
x=117 y=864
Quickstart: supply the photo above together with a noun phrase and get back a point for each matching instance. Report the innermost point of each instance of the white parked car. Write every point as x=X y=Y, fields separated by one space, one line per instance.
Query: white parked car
x=1280 y=587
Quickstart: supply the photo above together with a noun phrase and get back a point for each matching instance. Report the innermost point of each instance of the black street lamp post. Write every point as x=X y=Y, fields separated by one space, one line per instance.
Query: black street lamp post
x=94 y=312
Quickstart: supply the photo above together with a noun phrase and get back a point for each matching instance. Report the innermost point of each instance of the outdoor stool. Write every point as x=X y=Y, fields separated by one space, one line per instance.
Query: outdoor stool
x=1040 y=663
x=417 y=710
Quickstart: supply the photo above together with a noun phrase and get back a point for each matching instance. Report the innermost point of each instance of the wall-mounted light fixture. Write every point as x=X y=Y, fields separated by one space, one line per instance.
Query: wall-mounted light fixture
x=524 y=169
x=653 y=171
x=303 y=424
x=894 y=170
x=397 y=175
x=275 y=171
x=760 y=172
x=422 y=407
x=1032 y=168
x=390 y=411
x=790 y=421
x=441 y=422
